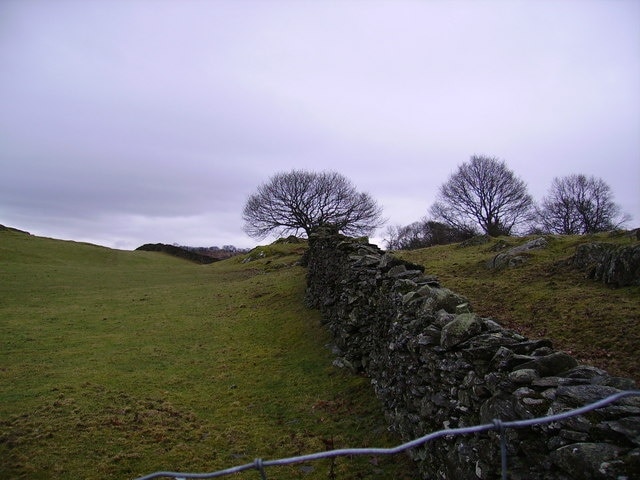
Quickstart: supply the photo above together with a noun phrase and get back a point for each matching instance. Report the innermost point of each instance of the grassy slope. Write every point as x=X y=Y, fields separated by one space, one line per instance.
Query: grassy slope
x=116 y=364
x=546 y=298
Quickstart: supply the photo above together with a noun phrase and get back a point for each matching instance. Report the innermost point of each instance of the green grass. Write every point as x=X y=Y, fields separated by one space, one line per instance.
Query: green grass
x=547 y=298
x=115 y=364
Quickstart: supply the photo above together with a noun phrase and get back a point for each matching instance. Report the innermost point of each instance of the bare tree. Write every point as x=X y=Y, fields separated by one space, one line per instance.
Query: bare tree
x=484 y=193
x=300 y=201
x=577 y=204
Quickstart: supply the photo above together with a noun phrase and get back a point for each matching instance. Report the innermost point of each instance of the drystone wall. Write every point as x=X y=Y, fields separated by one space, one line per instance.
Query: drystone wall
x=434 y=364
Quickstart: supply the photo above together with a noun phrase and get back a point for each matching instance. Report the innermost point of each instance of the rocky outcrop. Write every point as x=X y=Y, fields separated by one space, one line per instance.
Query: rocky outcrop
x=435 y=364
x=610 y=263
x=517 y=255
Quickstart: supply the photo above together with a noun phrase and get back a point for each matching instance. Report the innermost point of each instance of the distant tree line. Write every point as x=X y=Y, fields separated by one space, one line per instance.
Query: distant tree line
x=485 y=197
x=219 y=253
x=424 y=233
x=482 y=197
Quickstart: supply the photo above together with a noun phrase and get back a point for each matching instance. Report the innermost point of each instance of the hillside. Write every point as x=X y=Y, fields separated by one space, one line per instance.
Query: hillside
x=546 y=297
x=116 y=364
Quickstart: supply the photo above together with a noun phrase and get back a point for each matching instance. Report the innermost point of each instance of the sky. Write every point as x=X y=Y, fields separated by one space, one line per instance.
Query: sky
x=146 y=121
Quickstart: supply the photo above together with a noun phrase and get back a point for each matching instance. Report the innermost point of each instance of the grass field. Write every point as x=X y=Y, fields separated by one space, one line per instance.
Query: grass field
x=547 y=298
x=115 y=364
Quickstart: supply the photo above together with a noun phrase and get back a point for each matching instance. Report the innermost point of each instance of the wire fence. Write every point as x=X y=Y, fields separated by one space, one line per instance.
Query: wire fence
x=497 y=425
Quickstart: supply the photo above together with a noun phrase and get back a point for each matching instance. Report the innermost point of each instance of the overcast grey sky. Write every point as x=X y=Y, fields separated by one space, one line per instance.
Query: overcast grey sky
x=127 y=122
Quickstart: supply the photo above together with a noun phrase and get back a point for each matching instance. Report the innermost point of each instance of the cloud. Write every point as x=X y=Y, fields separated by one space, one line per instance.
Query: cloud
x=121 y=117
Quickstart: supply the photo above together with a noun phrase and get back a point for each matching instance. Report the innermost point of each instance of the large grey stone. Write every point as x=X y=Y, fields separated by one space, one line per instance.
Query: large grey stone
x=589 y=461
x=551 y=364
x=460 y=329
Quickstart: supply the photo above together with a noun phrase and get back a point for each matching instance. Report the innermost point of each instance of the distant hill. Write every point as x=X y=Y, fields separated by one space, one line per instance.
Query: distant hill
x=178 y=252
x=2 y=227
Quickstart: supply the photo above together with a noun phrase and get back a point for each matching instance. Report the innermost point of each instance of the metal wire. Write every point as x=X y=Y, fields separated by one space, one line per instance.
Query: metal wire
x=497 y=425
